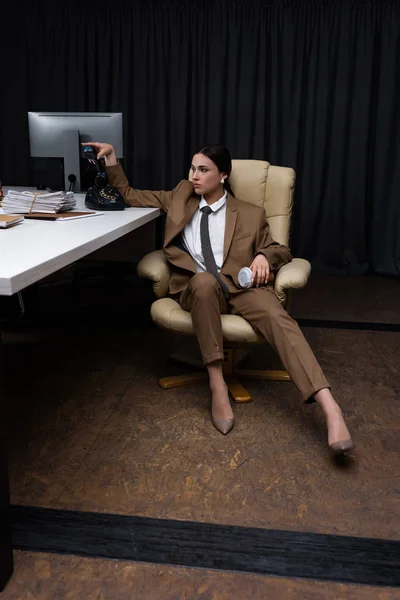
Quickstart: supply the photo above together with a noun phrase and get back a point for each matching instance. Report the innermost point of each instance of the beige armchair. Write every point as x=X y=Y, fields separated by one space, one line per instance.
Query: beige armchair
x=266 y=185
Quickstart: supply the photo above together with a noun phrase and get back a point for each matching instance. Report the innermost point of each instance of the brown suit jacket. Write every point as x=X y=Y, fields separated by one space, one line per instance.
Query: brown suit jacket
x=246 y=230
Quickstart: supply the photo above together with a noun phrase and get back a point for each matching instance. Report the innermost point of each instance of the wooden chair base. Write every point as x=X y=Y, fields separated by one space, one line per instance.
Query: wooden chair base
x=237 y=391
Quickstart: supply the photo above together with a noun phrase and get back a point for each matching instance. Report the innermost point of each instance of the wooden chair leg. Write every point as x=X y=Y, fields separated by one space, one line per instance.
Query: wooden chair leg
x=180 y=380
x=237 y=391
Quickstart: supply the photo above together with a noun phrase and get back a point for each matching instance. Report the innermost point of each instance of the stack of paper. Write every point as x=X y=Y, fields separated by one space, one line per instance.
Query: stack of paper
x=9 y=221
x=29 y=202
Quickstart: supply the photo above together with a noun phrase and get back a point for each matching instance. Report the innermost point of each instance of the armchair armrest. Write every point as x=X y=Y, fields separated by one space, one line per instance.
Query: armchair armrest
x=155 y=266
x=292 y=275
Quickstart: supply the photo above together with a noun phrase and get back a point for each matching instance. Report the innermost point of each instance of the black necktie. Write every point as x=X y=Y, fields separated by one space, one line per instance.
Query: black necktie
x=208 y=255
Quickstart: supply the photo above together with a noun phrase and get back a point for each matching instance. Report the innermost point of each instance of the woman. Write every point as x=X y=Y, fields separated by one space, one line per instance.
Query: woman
x=209 y=236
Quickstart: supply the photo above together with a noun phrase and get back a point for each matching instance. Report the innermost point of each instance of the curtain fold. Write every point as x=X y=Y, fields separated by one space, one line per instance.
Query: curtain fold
x=311 y=85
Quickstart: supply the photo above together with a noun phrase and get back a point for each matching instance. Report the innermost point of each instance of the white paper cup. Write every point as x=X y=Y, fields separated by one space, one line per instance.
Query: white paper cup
x=245 y=278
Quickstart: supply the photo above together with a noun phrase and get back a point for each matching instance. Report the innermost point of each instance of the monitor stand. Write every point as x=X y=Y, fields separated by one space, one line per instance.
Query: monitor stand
x=71 y=154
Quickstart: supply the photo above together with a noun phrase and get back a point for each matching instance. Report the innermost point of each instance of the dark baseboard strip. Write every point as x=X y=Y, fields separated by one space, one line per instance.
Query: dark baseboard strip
x=204 y=545
x=359 y=325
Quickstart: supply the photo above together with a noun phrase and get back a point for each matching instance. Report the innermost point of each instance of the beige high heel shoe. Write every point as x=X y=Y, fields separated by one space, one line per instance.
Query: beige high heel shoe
x=342 y=447
x=224 y=426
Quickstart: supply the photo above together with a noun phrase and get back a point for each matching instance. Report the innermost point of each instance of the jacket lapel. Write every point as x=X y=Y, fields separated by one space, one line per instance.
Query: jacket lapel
x=230 y=223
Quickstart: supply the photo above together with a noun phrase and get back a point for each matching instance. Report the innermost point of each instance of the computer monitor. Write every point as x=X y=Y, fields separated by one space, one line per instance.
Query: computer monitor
x=59 y=135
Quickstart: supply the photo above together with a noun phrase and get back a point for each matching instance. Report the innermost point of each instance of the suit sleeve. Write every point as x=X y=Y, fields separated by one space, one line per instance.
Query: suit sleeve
x=145 y=198
x=276 y=254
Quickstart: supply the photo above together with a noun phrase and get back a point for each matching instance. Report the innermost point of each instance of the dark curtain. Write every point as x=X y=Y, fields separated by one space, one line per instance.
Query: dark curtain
x=311 y=85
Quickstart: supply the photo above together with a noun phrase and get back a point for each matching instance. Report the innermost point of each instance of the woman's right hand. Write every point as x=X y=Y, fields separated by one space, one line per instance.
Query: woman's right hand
x=106 y=150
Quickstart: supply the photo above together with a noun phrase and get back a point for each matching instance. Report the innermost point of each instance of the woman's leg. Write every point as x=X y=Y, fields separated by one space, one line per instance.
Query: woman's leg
x=338 y=435
x=263 y=310
x=204 y=300
x=221 y=406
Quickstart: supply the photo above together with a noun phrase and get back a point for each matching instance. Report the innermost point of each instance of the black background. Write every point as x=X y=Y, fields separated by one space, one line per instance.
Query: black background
x=311 y=85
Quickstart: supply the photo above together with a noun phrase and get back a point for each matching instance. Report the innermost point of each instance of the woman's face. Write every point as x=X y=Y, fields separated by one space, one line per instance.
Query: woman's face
x=205 y=175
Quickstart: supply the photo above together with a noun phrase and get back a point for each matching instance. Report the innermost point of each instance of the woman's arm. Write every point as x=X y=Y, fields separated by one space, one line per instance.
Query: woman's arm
x=117 y=178
x=133 y=197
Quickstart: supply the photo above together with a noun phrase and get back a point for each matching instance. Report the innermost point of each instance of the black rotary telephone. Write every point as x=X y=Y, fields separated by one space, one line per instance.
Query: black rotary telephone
x=102 y=195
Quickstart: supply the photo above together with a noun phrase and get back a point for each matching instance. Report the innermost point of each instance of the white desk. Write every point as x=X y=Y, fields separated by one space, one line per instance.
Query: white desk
x=28 y=253
x=36 y=249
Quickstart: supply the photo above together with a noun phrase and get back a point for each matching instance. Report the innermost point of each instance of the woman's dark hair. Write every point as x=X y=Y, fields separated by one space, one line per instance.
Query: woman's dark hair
x=221 y=157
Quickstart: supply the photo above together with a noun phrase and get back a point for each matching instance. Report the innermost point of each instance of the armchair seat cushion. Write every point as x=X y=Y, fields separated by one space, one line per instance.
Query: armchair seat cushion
x=167 y=314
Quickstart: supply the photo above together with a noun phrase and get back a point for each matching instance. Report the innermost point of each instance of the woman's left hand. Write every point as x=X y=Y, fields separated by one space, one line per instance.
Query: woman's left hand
x=260 y=270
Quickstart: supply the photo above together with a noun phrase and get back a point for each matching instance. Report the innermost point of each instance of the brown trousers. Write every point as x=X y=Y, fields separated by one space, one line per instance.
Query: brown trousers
x=204 y=300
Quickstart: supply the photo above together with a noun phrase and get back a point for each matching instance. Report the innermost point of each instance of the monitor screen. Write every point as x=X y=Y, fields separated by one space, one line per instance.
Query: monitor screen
x=59 y=134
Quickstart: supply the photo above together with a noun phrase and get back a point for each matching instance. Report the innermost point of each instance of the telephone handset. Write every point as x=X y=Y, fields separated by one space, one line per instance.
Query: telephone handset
x=102 y=196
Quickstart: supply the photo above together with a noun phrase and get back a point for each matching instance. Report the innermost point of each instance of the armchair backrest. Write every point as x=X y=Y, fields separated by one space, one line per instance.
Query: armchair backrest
x=269 y=186
x=266 y=185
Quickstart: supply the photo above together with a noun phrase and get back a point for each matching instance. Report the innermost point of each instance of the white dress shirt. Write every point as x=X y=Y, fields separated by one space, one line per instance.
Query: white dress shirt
x=216 y=224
